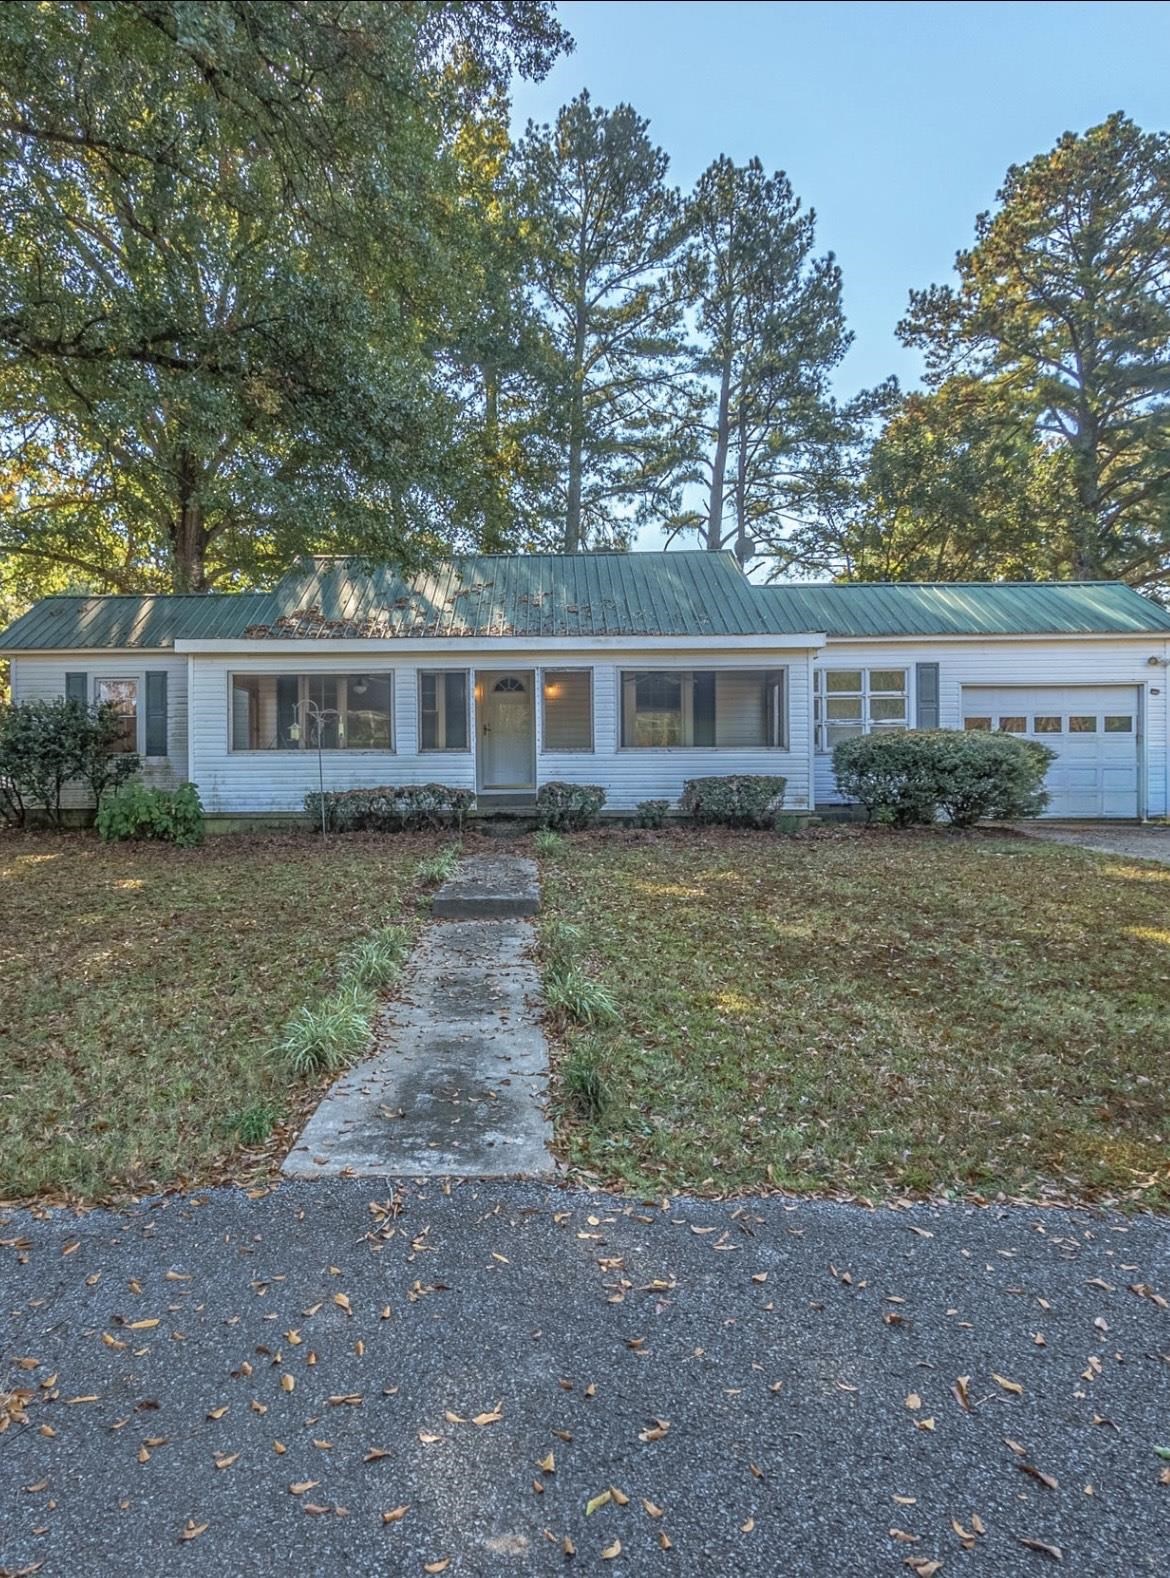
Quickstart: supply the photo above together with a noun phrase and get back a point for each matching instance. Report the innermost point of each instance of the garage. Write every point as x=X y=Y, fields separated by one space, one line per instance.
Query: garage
x=1095 y=731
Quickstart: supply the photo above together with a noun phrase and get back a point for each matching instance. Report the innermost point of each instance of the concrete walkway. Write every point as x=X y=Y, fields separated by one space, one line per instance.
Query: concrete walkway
x=458 y=1082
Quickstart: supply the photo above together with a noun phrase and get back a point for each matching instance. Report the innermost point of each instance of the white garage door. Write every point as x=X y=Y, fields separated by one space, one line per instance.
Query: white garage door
x=1092 y=728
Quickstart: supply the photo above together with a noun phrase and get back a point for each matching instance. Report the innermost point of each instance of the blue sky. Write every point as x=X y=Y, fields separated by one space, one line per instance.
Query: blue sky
x=895 y=122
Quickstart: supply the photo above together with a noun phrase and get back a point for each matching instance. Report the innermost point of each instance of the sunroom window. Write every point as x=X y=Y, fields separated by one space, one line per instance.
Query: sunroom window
x=849 y=701
x=717 y=708
x=296 y=712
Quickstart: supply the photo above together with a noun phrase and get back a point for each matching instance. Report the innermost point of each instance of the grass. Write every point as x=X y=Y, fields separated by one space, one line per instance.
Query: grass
x=547 y=842
x=871 y=1014
x=436 y=868
x=144 y=987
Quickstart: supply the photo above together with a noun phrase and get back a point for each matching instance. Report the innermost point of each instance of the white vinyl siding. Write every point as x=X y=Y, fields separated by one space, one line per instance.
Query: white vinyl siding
x=1027 y=662
x=37 y=678
x=251 y=783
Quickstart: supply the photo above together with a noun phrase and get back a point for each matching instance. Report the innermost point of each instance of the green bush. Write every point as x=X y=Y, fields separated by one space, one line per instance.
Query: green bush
x=738 y=800
x=45 y=745
x=652 y=813
x=321 y=1039
x=174 y=816
x=391 y=808
x=569 y=807
x=908 y=776
x=890 y=773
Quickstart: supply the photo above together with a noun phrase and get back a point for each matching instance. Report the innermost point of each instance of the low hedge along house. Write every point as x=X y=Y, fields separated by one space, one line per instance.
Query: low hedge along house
x=497 y=674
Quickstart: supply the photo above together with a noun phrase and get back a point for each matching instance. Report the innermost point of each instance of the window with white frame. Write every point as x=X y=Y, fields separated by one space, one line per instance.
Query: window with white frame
x=850 y=701
x=122 y=695
x=568 y=709
x=715 y=708
x=296 y=712
x=442 y=710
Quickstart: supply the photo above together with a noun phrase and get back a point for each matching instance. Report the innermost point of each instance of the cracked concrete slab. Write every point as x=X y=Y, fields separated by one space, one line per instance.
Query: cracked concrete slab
x=458 y=1083
x=489 y=886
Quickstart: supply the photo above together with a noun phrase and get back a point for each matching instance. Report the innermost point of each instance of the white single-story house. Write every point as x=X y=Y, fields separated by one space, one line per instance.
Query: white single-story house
x=635 y=671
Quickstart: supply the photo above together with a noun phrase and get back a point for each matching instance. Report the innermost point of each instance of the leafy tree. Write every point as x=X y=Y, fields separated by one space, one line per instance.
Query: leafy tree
x=1062 y=314
x=772 y=329
x=230 y=261
x=951 y=490
x=45 y=745
x=609 y=232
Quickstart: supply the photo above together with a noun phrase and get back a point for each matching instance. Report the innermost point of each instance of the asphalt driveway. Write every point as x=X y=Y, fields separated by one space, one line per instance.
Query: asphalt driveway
x=225 y=1385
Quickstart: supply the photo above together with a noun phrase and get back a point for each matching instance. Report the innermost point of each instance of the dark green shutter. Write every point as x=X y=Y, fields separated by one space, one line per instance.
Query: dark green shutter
x=287 y=699
x=703 y=707
x=77 y=688
x=926 y=688
x=156 y=713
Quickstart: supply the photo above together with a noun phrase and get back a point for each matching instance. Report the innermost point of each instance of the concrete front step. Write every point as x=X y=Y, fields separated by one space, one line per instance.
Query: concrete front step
x=489 y=887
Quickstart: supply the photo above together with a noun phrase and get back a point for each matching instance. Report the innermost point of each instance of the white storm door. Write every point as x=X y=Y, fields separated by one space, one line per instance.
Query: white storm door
x=506 y=731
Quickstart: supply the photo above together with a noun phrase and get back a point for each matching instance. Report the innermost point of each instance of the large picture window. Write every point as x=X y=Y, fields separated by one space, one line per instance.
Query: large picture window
x=442 y=710
x=295 y=712
x=850 y=701
x=725 y=709
x=568 y=709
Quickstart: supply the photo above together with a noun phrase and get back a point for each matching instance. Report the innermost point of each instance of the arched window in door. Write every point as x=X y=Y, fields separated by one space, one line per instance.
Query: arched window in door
x=508 y=686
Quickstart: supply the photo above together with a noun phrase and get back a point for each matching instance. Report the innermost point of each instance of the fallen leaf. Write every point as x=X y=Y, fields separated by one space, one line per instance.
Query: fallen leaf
x=747 y=1526
x=656 y=1431
x=904 y=1537
x=651 y=1510
x=913 y=1401
x=664 y=1540
x=547 y=1465
x=428 y=1438
x=619 y=1496
x=597 y=1502
x=491 y=1417
x=192 y=1530
x=612 y=1551
x=1014 y=1446
x=437 y=1567
x=1008 y=1386
x=395 y=1515
x=300 y=1486
x=287 y=1382
x=1033 y=1472
x=568 y=1547
x=923 y=1566
x=218 y=1413
x=143 y=1325
x=1042 y=1546
x=342 y=1303
x=226 y=1462
x=375 y=1454
x=962 y=1391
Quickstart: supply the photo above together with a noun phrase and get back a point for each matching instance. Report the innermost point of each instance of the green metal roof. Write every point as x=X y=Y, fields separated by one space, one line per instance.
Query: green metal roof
x=965 y=608
x=587 y=595
x=58 y=624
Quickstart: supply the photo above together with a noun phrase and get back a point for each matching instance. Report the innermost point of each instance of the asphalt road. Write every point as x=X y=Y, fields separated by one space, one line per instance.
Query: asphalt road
x=766 y=1387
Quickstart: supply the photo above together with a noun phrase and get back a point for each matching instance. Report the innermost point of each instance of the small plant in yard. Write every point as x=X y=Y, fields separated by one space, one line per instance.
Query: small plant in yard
x=322 y=1038
x=585 y=1084
x=652 y=813
x=547 y=843
x=435 y=869
x=174 y=816
x=255 y=1122
x=571 y=993
x=376 y=961
x=560 y=943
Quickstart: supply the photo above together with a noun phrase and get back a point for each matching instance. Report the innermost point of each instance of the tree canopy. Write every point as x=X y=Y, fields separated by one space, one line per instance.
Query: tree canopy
x=232 y=256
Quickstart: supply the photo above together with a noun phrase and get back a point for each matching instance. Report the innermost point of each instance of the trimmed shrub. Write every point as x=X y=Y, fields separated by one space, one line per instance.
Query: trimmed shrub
x=652 y=813
x=908 y=776
x=738 y=800
x=890 y=773
x=174 y=816
x=391 y=808
x=569 y=807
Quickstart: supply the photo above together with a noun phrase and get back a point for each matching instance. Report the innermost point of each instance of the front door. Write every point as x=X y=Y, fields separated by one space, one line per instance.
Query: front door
x=506 y=733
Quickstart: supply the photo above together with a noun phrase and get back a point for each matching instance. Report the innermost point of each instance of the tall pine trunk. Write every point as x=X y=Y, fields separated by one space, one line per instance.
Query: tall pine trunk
x=719 y=464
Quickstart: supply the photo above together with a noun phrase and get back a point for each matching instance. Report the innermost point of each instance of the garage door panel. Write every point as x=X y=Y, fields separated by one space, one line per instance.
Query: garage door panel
x=1092 y=728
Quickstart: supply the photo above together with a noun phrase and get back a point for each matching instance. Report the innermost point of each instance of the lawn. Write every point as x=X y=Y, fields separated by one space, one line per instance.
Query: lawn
x=142 y=990
x=867 y=1013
